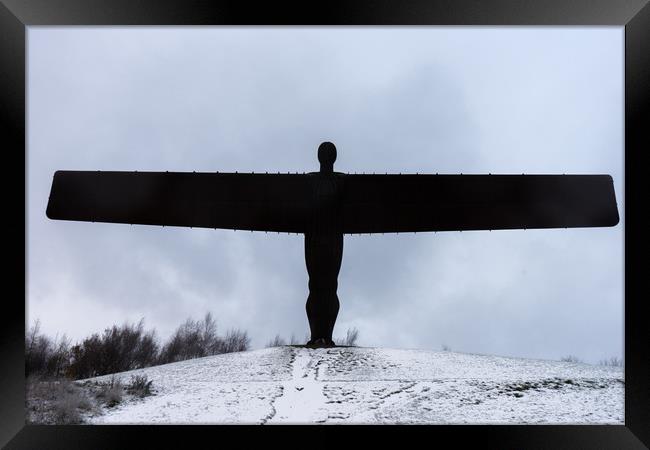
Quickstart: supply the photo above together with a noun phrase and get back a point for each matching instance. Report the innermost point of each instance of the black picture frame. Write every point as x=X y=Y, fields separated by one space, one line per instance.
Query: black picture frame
x=634 y=15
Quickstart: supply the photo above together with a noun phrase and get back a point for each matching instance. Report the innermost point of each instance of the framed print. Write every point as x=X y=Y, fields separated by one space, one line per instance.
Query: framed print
x=223 y=156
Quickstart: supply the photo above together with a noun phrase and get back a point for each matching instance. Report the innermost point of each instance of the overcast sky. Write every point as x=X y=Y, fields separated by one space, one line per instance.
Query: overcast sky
x=393 y=99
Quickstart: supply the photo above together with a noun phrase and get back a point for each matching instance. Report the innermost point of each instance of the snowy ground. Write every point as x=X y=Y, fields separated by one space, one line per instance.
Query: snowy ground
x=371 y=385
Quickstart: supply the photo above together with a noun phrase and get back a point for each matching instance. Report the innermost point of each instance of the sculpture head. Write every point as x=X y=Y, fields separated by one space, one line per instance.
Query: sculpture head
x=326 y=157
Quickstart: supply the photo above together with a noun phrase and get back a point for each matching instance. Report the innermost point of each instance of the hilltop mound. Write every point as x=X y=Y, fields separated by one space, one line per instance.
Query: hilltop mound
x=371 y=385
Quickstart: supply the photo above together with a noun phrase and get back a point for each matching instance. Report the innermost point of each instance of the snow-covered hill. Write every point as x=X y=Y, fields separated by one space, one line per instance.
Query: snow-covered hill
x=372 y=385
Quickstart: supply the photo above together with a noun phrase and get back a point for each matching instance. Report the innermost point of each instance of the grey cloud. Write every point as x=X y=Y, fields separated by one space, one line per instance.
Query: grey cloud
x=393 y=100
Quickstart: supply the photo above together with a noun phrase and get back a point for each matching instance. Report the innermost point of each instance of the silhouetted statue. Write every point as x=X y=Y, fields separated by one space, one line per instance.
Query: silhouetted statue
x=324 y=248
x=325 y=205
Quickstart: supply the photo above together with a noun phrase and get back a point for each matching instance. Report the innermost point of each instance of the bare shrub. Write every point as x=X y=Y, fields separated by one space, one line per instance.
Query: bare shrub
x=351 y=337
x=44 y=356
x=139 y=386
x=59 y=360
x=446 y=348
x=277 y=341
x=87 y=359
x=37 y=347
x=110 y=392
x=571 y=359
x=125 y=347
x=39 y=395
x=236 y=341
x=113 y=396
x=146 y=350
x=611 y=362
x=193 y=339
x=55 y=401
x=65 y=411
x=118 y=349
x=69 y=400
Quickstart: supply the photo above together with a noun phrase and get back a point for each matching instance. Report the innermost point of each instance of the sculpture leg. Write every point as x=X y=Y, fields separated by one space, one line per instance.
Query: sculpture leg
x=322 y=310
x=323 y=257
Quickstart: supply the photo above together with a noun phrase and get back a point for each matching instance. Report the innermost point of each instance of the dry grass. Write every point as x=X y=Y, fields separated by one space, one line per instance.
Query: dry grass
x=56 y=401
x=140 y=386
x=62 y=401
x=110 y=393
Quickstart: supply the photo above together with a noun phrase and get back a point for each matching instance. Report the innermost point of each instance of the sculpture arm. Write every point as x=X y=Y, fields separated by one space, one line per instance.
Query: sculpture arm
x=408 y=203
x=260 y=202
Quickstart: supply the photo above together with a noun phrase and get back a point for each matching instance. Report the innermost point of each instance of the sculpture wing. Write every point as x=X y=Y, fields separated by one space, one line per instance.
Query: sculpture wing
x=407 y=203
x=260 y=202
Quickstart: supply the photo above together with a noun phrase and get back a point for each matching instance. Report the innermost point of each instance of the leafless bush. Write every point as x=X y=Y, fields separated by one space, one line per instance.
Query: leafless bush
x=351 y=337
x=125 y=347
x=236 y=341
x=113 y=396
x=571 y=359
x=293 y=340
x=193 y=339
x=110 y=392
x=65 y=411
x=446 y=348
x=55 y=401
x=44 y=356
x=118 y=349
x=59 y=360
x=37 y=348
x=69 y=401
x=139 y=386
x=611 y=362
x=146 y=350
x=277 y=341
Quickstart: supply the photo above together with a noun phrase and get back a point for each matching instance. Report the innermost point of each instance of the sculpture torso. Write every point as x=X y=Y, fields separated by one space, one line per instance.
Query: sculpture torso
x=326 y=207
x=323 y=254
